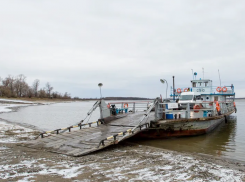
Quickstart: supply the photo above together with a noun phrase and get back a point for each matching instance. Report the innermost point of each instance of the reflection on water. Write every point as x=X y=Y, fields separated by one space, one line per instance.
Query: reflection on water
x=219 y=142
x=227 y=140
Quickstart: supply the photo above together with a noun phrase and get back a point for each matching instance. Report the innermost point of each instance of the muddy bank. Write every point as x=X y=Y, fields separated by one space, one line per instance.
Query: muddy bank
x=124 y=162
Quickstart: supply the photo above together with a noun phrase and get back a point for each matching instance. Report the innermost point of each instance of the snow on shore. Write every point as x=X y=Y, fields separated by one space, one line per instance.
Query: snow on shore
x=8 y=107
x=140 y=164
x=122 y=163
x=10 y=133
x=7 y=104
x=16 y=101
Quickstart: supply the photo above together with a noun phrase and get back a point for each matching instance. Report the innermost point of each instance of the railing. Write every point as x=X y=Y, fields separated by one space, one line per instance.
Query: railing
x=122 y=134
x=80 y=125
x=129 y=106
x=205 y=90
x=133 y=130
x=209 y=109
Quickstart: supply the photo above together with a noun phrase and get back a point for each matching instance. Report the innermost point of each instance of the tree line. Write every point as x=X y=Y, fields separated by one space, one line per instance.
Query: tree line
x=16 y=86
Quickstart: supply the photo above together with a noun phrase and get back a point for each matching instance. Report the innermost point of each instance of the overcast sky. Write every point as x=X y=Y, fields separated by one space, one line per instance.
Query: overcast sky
x=127 y=45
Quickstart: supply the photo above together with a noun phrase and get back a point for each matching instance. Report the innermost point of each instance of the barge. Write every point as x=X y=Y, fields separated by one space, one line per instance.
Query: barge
x=197 y=110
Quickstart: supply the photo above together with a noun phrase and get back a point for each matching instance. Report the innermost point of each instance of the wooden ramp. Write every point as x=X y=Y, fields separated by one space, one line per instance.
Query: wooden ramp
x=85 y=138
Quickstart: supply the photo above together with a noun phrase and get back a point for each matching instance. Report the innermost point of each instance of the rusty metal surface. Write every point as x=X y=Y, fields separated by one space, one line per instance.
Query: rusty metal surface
x=182 y=127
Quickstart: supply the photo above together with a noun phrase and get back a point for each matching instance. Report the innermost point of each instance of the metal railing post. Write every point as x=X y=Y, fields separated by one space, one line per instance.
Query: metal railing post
x=188 y=111
x=158 y=110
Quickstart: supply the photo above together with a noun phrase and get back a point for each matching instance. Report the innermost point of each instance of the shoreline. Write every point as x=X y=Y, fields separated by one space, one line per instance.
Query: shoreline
x=123 y=162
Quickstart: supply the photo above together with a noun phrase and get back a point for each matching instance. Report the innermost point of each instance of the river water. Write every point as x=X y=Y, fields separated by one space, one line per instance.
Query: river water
x=228 y=140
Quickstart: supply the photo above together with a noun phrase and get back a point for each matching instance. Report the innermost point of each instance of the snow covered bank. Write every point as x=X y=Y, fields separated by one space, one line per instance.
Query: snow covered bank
x=10 y=133
x=16 y=101
x=9 y=107
x=6 y=105
x=125 y=162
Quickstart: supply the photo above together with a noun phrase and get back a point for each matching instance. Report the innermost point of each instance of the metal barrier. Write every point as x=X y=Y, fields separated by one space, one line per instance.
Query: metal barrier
x=131 y=106
x=80 y=125
x=211 y=108
x=129 y=131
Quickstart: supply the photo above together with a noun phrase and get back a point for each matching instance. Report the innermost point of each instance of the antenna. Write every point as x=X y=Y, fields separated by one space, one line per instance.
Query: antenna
x=203 y=73
x=192 y=74
x=219 y=79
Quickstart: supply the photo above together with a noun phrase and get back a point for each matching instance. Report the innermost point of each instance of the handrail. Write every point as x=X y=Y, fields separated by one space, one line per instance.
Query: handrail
x=123 y=133
x=130 y=102
x=69 y=128
x=147 y=112
x=79 y=124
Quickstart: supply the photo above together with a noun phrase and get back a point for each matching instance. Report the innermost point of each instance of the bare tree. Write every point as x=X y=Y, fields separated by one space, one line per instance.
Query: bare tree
x=8 y=86
x=66 y=96
x=20 y=84
x=35 y=86
x=17 y=87
x=27 y=91
x=11 y=81
x=49 y=89
x=42 y=93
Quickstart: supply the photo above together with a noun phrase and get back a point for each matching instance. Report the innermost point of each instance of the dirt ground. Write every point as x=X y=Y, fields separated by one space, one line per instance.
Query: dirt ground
x=122 y=162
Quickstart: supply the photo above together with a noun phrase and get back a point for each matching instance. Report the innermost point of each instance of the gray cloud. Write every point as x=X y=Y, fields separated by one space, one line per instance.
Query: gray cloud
x=127 y=45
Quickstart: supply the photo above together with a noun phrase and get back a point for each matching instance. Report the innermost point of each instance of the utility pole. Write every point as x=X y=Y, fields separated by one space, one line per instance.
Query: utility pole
x=173 y=89
x=100 y=85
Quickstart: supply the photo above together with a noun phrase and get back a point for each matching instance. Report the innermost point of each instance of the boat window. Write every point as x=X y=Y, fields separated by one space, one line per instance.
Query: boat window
x=216 y=98
x=200 y=83
x=206 y=84
x=194 y=84
x=186 y=97
x=198 y=97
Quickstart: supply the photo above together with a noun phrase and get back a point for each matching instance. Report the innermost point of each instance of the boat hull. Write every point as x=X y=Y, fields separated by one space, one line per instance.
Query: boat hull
x=180 y=128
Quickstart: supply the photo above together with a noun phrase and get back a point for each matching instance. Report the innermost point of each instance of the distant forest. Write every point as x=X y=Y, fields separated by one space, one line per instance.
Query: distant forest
x=16 y=86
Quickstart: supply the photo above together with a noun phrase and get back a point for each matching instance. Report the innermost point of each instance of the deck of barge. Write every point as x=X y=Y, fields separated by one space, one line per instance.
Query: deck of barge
x=78 y=141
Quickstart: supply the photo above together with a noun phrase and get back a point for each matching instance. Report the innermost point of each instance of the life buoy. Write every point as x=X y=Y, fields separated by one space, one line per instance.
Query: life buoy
x=196 y=108
x=186 y=90
x=218 y=89
x=224 y=89
x=125 y=105
x=108 y=105
x=179 y=90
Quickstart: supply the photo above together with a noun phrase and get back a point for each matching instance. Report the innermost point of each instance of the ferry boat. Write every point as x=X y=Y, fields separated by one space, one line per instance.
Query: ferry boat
x=197 y=110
